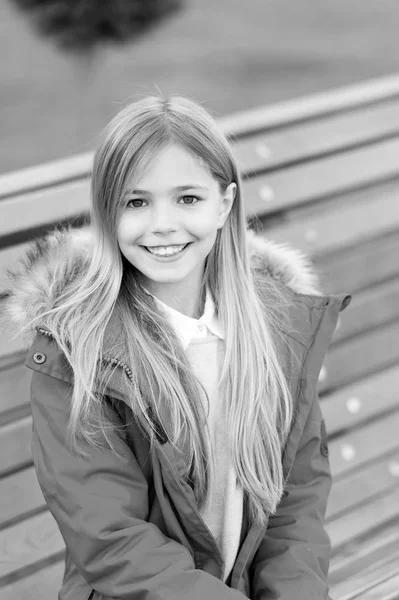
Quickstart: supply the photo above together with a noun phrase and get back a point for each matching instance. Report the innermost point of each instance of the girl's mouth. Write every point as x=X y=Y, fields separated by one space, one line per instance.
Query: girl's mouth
x=166 y=252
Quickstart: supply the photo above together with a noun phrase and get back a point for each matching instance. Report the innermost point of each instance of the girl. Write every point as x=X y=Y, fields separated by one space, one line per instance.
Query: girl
x=177 y=432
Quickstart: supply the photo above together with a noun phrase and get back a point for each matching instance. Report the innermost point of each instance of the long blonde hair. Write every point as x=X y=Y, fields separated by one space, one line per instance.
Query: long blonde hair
x=253 y=311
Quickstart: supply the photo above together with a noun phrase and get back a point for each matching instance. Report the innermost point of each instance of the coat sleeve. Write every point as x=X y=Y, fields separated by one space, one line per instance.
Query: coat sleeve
x=293 y=558
x=101 y=506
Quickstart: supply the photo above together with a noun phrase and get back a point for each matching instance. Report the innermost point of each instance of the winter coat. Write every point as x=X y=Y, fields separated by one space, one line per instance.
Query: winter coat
x=132 y=531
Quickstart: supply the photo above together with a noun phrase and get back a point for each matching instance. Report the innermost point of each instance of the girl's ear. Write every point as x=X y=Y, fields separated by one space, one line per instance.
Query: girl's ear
x=226 y=204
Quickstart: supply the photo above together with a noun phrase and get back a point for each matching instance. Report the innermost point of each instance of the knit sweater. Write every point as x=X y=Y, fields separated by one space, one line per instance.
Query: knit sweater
x=204 y=344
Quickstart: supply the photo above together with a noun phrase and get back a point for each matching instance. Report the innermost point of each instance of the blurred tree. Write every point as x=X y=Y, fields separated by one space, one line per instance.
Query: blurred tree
x=81 y=25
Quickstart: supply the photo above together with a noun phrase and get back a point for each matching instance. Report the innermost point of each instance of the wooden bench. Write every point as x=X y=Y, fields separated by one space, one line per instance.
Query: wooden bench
x=321 y=173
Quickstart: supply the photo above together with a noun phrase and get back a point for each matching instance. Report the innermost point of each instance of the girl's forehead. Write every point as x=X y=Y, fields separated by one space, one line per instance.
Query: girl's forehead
x=174 y=164
x=176 y=155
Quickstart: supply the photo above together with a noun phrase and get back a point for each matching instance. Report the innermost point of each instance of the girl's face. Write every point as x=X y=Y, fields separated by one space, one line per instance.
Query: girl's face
x=169 y=222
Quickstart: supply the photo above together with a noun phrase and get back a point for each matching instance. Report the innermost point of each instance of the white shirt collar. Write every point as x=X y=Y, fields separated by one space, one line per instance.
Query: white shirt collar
x=188 y=328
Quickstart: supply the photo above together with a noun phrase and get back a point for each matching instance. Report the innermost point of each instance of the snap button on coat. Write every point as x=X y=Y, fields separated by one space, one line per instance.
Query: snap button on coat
x=39 y=358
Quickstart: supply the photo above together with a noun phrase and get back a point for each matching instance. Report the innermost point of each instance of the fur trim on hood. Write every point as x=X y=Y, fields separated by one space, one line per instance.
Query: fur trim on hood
x=59 y=254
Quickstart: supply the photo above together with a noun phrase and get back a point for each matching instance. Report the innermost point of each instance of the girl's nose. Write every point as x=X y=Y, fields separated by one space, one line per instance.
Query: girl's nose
x=163 y=219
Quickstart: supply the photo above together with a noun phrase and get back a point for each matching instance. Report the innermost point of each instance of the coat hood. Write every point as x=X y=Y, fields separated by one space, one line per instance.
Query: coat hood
x=55 y=257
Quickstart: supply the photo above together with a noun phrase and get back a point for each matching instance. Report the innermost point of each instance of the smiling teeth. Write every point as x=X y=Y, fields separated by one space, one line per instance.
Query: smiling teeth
x=166 y=250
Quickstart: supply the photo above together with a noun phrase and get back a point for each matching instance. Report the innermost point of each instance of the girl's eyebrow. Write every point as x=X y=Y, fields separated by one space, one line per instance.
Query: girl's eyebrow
x=179 y=188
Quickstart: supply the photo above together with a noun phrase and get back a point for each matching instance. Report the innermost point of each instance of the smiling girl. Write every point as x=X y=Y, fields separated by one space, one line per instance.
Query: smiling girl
x=166 y=231
x=177 y=433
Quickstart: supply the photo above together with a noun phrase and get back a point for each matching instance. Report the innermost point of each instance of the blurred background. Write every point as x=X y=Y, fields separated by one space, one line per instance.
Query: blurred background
x=230 y=55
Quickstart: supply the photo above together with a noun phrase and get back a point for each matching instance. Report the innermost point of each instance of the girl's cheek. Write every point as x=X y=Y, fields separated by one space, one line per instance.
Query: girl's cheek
x=204 y=220
x=130 y=226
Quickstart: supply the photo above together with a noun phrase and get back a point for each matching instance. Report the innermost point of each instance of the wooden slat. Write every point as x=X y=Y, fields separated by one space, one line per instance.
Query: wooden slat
x=361 y=401
x=359 y=583
x=8 y=345
x=368 y=517
x=20 y=494
x=360 y=357
x=315 y=138
x=310 y=107
x=364 y=266
x=28 y=542
x=43 y=584
x=49 y=174
x=320 y=178
x=364 y=484
x=44 y=207
x=384 y=590
x=367 y=443
x=14 y=388
x=364 y=551
x=344 y=224
x=15 y=440
x=368 y=310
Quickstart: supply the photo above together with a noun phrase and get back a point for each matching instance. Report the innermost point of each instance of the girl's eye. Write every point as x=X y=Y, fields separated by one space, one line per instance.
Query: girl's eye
x=191 y=198
x=135 y=205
